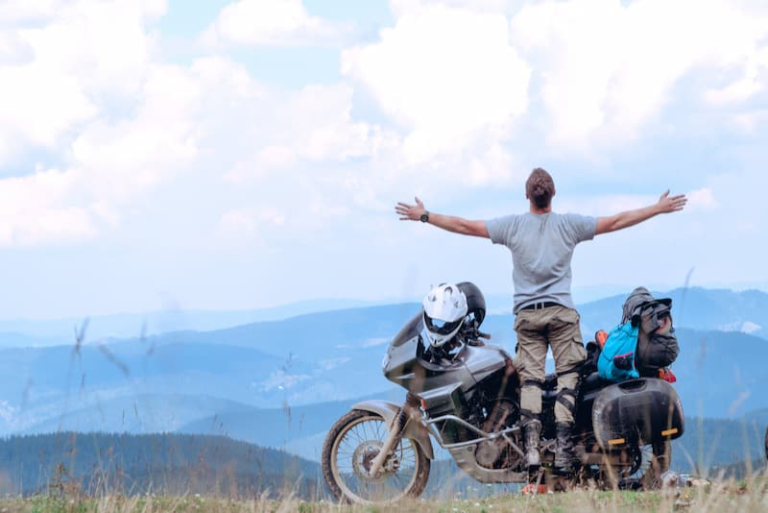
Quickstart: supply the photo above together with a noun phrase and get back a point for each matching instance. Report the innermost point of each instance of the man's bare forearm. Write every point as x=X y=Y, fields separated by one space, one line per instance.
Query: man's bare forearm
x=666 y=204
x=633 y=217
x=450 y=223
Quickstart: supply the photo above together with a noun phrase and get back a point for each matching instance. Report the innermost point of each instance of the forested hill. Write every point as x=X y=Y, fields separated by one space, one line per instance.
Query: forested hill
x=159 y=463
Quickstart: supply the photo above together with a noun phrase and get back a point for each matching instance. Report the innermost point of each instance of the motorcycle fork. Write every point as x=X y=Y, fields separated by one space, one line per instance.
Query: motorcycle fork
x=395 y=433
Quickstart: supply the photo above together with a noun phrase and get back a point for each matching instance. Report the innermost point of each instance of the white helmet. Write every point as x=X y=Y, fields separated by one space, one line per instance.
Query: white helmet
x=445 y=308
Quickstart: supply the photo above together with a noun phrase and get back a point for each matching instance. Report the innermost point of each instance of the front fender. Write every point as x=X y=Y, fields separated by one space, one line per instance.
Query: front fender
x=413 y=429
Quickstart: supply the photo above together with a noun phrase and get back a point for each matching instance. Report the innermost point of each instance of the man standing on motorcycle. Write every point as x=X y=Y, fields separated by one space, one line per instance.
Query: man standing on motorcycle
x=542 y=243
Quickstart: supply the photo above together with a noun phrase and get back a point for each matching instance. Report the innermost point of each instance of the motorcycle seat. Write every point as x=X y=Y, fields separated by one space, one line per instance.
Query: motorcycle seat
x=549 y=388
x=592 y=381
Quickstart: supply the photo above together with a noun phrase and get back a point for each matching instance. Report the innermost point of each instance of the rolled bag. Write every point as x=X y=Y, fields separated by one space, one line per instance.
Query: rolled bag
x=654 y=349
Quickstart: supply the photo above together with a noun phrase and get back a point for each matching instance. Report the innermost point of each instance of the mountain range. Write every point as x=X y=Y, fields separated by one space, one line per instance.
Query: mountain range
x=282 y=383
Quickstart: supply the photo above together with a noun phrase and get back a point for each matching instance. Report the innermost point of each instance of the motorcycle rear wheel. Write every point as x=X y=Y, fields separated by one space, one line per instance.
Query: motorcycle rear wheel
x=350 y=447
x=651 y=461
x=656 y=459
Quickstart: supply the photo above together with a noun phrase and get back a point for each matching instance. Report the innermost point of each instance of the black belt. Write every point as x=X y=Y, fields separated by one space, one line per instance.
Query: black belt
x=540 y=306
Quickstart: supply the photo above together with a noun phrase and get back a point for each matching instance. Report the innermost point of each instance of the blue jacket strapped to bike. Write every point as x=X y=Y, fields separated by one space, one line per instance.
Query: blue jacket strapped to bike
x=617 y=358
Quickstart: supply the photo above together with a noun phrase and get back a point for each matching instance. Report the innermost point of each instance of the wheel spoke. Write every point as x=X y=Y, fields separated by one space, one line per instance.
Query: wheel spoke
x=353 y=453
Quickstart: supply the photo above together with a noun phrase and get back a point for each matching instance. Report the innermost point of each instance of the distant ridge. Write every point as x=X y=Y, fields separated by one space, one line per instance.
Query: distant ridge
x=169 y=464
x=720 y=309
x=45 y=332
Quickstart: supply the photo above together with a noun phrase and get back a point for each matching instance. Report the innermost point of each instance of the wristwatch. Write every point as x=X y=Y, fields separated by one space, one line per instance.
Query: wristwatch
x=425 y=217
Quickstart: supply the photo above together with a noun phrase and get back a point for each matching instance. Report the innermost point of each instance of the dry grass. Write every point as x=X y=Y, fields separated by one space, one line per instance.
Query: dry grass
x=746 y=496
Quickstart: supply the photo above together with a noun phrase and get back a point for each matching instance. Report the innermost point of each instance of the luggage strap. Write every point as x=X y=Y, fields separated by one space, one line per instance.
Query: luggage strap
x=533 y=383
x=563 y=394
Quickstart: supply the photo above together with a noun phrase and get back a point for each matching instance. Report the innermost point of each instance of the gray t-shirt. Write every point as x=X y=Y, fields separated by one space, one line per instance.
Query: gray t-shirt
x=542 y=247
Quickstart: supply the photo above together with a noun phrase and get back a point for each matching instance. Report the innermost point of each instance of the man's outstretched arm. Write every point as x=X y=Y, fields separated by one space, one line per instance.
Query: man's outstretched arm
x=451 y=223
x=665 y=205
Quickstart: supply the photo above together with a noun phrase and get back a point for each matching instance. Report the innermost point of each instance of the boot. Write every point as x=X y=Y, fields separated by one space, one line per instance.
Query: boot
x=564 y=457
x=532 y=435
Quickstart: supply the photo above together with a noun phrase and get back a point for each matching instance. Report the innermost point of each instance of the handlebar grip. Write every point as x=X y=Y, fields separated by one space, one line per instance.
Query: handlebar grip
x=486 y=336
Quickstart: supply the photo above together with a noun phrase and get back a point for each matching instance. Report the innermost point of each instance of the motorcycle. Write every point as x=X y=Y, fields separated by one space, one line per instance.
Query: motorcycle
x=466 y=396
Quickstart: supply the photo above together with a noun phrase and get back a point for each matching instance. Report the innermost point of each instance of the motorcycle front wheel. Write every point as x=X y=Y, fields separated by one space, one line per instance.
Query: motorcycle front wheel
x=352 y=444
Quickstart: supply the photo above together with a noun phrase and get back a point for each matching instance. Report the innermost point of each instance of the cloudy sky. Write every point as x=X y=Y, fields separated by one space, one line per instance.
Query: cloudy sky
x=241 y=154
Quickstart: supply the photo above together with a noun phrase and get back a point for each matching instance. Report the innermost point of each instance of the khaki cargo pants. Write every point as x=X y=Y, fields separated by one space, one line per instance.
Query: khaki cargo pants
x=558 y=327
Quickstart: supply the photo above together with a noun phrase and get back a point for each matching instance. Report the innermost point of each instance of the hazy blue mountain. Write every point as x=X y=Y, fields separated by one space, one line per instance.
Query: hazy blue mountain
x=14 y=339
x=696 y=308
x=708 y=444
x=139 y=414
x=721 y=374
x=320 y=357
x=315 y=335
x=42 y=385
x=320 y=334
x=46 y=332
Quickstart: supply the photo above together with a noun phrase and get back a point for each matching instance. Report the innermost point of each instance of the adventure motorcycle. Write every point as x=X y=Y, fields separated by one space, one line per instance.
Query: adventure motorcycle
x=466 y=395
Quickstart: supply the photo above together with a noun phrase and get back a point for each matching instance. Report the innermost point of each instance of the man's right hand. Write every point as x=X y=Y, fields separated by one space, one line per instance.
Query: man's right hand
x=410 y=212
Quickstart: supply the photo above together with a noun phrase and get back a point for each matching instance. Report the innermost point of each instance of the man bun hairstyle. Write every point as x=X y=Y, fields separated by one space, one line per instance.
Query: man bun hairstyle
x=539 y=188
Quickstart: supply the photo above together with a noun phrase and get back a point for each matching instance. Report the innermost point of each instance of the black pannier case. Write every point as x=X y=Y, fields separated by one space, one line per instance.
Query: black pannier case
x=646 y=409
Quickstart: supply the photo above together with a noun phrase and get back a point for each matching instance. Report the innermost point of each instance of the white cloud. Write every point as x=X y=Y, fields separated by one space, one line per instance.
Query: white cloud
x=271 y=23
x=59 y=71
x=312 y=125
x=746 y=87
x=701 y=199
x=399 y=7
x=66 y=65
x=108 y=164
x=609 y=204
x=750 y=122
x=493 y=168
x=237 y=222
x=607 y=68
x=36 y=209
x=15 y=11
x=447 y=75
x=126 y=157
x=247 y=221
x=181 y=116
x=604 y=205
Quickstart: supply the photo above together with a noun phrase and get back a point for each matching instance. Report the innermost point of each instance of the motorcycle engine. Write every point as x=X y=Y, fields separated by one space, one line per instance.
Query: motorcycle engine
x=488 y=454
x=497 y=454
